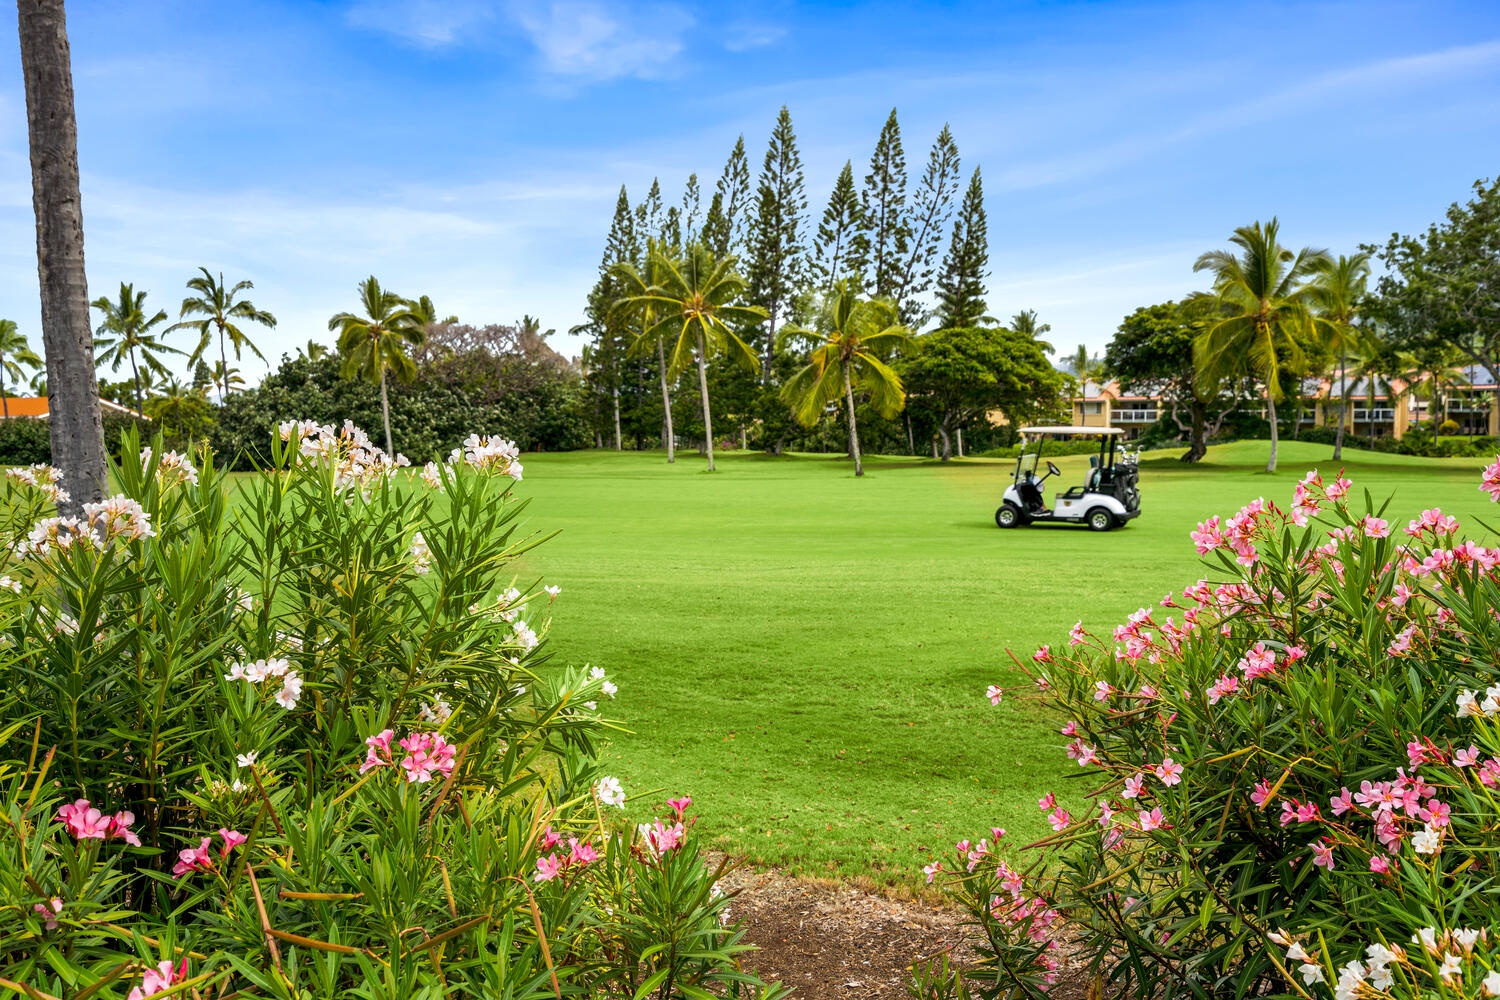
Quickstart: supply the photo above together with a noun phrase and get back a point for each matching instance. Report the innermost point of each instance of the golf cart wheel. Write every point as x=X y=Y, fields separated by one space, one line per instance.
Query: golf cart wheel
x=1100 y=519
x=1008 y=516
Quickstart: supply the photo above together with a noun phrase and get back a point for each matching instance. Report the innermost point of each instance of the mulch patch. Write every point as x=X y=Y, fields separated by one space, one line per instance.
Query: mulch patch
x=835 y=941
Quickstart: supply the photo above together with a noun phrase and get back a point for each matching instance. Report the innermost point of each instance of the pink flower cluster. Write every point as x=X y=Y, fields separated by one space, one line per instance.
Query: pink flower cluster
x=85 y=822
x=201 y=859
x=426 y=754
x=1031 y=914
x=550 y=866
x=161 y=978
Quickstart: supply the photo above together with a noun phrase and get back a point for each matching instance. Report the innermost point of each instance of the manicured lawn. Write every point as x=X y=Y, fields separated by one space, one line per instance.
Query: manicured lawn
x=806 y=653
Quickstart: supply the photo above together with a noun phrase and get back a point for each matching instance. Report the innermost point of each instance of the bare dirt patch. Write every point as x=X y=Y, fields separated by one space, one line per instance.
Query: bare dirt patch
x=836 y=941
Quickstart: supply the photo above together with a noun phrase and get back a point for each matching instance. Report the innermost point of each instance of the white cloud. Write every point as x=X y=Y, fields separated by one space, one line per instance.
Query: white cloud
x=589 y=40
x=424 y=23
x=742 y=36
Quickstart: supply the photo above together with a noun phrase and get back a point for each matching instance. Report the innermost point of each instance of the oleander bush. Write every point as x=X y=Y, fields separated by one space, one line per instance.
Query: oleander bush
x=308 y=744
x=1289 y=775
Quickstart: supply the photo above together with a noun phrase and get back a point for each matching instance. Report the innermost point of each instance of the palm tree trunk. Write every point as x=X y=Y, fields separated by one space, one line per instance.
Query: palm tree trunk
x=911 y=444
x=943 y=435
x=224 y=361
x=1338 y=437
x=52 y=130
x=1370 y=409
x=4 y=401
x=666 y=402
x=1275 y=435
x=385 y=412
x=135 y=376
x=708 y=424
x=859 y=469
x=616 y=394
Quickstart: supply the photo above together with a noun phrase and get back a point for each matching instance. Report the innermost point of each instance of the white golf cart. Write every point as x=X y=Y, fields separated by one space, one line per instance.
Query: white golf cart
x=1109 y=497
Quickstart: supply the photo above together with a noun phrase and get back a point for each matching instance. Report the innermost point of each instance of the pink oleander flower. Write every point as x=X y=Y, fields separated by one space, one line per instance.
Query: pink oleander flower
x=194 y=859
x=49 y=911
x=1338 y=489
x=1046 y=802
x=1402 y=643
x=1082 y=752
x=1258 y=662
x=379 y=752
x=1170 y=772
x=581 y=852
x=1322 y=854
x=1134 y=785
x=1059 y=818
x=1261 y=793
x=1222 y=688
x=1342 y=802
x=1208 y=536
x=994 y=693
x=1076 y=635
x=1043 y=655
x=550 y=839
x=932 y=871
x=426 y=753
x=660 y=838
x=1379 y=865
x=156 y=980
x=1375 y=527
x=1071 y=729
x=232 y=839
x=1466 y=758
x=1490 y=483
x=548 y=868
x=1102 y=690
x=1153 y=820
x=679 y=806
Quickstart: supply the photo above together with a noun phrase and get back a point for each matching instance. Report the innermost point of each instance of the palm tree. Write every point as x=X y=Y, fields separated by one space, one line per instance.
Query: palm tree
x=14 y=352
x=850 y=339
x=314 y=351
x=1259 y=308
x=694 y=301
x=638 y=286
x=1337 y=294
x=220 y=308
x=125 y=330
x=1086 y=367
x=52 y=135
x=376 y=342
x=1024 y=322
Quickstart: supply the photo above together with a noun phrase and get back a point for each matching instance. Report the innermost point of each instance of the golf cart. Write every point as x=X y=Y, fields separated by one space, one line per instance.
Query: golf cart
x=1108 y=498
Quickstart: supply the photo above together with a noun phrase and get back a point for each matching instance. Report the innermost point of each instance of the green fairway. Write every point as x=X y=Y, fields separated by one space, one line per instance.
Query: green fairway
x=806 y=653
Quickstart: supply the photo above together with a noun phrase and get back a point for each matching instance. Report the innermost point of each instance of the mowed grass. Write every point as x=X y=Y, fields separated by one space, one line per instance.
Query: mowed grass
x=806 y=653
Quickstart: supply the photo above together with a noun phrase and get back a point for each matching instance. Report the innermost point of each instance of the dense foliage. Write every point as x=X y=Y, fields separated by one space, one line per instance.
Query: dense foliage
x=428 y=417
x=1289 y=773
x=310 y=745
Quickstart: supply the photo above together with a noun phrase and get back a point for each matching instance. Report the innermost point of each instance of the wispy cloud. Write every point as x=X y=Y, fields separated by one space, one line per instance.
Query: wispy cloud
x=742 y=36
x=1322 y=90
x=424 y=23
x=588 y=40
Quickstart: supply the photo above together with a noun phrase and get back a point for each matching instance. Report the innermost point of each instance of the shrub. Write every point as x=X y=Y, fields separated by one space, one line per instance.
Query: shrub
x=309 y=745
x=1286 y=770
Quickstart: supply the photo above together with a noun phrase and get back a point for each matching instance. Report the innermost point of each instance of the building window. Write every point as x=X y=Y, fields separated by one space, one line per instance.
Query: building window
x=1093 y=409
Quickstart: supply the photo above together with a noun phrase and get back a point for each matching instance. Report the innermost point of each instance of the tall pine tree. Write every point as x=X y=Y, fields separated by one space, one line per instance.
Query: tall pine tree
x=648 y=217
x=835 y=255
x=884 y=238
x=776 y=259
x=724 y=227
x=932 y=209
x=961 y=286
x=691 y=207
x=608 y=328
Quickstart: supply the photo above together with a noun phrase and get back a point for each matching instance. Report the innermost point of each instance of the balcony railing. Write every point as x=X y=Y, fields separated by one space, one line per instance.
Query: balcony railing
x=1364 y=416
x=1135 y=416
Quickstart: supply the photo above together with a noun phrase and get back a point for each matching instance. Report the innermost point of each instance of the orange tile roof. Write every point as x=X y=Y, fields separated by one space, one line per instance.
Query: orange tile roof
x=18 y=407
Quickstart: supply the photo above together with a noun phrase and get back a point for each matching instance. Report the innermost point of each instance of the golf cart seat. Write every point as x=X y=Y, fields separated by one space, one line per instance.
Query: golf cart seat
x=1031 y=495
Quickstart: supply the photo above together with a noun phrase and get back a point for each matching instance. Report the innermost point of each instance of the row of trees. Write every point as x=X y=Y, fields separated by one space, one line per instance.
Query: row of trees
x=1275 y=318
x=781 y=320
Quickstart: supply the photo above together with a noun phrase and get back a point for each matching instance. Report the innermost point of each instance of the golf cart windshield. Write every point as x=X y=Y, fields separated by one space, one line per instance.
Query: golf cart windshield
x=1027 y=465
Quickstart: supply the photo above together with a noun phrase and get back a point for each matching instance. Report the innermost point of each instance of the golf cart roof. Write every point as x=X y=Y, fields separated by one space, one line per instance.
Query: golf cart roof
x=1092 y=431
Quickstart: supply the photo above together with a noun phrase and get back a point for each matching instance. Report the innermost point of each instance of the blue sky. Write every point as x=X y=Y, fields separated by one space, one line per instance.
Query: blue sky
x=472 y=150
